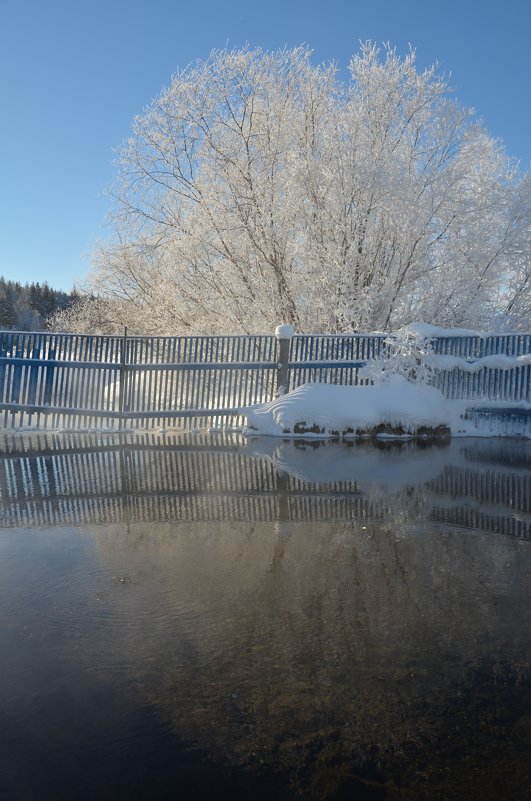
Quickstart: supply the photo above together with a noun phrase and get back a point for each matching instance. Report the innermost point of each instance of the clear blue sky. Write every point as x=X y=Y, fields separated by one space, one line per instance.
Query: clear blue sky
x=74 y=74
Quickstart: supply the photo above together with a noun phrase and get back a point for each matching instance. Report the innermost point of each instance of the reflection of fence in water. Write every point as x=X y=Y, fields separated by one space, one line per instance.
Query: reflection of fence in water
x=487 y=499
x=147 y=482
x=489 y=486
x=479 y=520
x=490 y=492
x=122 y=483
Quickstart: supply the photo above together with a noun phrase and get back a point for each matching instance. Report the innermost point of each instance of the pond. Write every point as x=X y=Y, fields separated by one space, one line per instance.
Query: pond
x=206 y=617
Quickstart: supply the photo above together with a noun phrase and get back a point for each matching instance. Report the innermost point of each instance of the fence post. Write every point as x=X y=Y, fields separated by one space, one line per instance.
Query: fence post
x=123 y=376
x=283 y=334
x=48 y=379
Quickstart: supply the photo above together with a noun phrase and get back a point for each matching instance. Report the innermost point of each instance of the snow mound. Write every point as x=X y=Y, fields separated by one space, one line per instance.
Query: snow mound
x=427 y=331
x=330 y=409
x=494 y=362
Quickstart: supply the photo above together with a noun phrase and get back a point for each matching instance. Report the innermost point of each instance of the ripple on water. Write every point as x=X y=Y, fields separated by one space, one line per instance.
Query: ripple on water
x=105 y=615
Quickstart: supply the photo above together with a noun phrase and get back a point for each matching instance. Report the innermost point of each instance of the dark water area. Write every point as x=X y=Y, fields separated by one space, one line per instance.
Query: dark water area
x=205 y=617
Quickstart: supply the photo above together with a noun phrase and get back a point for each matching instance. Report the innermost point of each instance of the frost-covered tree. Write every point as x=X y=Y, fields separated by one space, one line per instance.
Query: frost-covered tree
x=259 y=188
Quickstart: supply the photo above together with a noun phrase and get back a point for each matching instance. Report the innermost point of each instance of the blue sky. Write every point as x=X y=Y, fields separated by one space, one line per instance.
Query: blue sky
x=74 y=74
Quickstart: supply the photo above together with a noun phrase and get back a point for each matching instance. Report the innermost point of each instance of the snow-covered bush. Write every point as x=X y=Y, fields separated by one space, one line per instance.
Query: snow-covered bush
x=406 y=354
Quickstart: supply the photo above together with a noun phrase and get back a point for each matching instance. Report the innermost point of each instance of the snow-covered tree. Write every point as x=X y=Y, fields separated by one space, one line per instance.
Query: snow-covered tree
x=259 y=188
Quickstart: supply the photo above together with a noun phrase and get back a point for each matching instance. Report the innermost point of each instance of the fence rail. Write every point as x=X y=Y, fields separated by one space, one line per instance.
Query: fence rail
x=72 y=380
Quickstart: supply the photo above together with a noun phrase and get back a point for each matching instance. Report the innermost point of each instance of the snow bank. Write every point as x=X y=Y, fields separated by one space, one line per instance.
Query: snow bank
x=494 y=362
x=427 y=331
x=329 y=408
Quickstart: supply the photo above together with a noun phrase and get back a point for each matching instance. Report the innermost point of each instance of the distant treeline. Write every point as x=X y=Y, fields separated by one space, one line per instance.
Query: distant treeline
x=28 y=307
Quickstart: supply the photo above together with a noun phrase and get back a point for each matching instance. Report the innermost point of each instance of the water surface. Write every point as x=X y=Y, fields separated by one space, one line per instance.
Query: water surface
x=203 y=617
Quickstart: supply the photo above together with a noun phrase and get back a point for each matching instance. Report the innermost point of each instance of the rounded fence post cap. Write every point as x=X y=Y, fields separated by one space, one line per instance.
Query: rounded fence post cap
x=284 y=331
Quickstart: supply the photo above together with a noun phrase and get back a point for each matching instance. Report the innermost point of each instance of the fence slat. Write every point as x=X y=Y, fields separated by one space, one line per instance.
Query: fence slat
x=73 y=379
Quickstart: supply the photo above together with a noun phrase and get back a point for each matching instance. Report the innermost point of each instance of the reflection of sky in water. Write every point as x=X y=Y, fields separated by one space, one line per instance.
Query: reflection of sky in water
x=350 y=627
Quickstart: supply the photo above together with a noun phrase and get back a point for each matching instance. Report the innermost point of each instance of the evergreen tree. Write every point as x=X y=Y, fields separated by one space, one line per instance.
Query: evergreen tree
x=28 y=307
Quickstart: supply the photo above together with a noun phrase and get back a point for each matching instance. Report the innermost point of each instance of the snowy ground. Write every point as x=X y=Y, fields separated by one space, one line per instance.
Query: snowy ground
x=329 y=410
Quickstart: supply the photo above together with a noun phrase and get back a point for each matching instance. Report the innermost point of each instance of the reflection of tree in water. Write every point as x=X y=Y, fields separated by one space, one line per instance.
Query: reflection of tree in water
x=483 y=751
x=381 y=648
x=334 y=650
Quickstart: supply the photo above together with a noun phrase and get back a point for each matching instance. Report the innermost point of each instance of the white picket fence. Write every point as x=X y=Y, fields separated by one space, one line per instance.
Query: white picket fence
x=52 y=380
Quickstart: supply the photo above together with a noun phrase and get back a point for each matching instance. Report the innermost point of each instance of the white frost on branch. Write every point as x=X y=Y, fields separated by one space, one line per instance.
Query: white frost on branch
x=260 y=188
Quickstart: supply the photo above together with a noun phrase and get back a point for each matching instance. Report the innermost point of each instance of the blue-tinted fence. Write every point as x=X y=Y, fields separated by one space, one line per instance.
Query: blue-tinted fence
x=73 y=380
x=81 y=381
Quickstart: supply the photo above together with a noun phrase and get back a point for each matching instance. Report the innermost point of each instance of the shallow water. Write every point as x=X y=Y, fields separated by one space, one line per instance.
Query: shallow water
x=204 y=617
